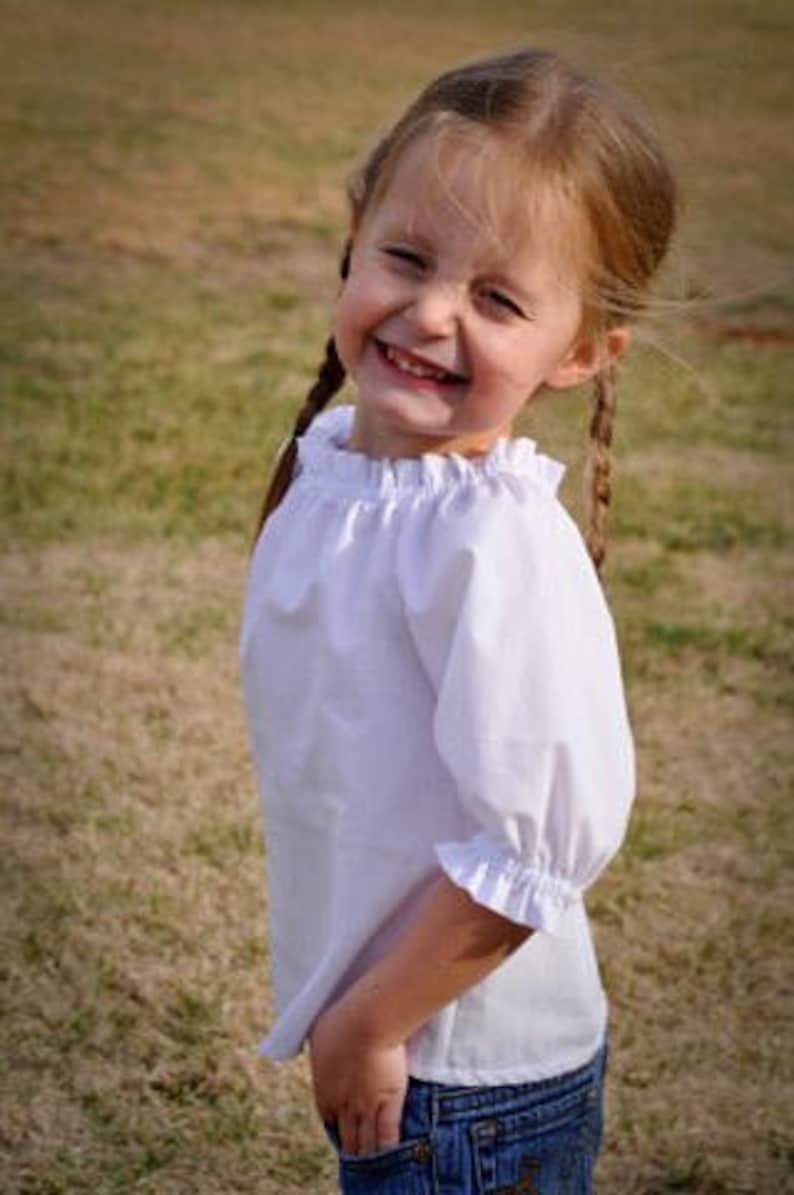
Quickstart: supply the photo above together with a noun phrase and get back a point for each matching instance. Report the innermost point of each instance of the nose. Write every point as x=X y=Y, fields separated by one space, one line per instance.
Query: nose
x=435 y=308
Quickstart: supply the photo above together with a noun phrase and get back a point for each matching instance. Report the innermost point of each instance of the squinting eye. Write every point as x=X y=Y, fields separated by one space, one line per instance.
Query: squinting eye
x=403 y=254
x=504 y=301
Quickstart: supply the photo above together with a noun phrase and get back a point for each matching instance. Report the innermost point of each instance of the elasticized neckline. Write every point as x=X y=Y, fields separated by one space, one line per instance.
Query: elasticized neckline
x=322 y=452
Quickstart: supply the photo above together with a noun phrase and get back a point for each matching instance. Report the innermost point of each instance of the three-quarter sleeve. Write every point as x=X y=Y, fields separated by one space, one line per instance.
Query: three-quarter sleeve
x=518 y=645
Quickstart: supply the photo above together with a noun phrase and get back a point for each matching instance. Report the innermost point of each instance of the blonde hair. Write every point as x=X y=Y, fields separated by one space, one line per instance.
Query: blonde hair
x=591 y=149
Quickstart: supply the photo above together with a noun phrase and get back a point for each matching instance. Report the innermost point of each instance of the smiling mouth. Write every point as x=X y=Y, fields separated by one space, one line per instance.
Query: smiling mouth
x=417 y=367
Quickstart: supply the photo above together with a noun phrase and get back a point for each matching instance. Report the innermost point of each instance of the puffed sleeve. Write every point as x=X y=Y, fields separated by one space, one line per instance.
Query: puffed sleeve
x=516 y=639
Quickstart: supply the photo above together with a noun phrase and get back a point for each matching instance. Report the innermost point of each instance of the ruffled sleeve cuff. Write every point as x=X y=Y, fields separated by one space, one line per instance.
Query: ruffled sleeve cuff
x=505 y=884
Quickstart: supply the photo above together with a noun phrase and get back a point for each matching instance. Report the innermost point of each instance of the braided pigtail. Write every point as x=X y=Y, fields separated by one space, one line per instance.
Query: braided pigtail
x=600 y=463
x=330 y=377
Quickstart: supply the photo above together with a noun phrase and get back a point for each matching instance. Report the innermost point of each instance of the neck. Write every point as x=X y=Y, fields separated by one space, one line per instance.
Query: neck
x=373 y=440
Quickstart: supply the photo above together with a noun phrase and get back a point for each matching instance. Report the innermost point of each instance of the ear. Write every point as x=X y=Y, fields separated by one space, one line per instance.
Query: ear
x=587 y=356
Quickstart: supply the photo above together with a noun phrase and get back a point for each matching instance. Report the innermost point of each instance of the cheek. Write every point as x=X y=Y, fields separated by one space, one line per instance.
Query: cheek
x=513 y=362
x=357 y=309
x=347 y=333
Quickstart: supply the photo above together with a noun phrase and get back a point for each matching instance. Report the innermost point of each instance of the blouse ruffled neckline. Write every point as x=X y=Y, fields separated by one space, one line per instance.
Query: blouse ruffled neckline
x=323 y=451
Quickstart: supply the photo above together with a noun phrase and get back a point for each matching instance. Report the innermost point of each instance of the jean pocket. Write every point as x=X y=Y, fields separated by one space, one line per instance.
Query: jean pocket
x=404 y=1169
x=542 y=1149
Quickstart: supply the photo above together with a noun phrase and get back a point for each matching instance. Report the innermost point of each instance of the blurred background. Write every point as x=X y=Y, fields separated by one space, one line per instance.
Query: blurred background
x=172 y=181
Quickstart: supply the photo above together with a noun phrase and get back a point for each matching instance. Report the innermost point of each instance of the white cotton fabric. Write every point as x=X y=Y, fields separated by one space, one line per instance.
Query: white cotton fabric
x=432 y=680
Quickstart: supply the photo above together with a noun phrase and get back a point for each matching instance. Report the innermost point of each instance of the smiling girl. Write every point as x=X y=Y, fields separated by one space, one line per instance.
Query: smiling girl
x=430 y=667
x=447 y=324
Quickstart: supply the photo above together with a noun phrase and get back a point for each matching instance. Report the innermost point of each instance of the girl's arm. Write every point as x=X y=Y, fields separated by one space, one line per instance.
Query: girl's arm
x=357 y=1044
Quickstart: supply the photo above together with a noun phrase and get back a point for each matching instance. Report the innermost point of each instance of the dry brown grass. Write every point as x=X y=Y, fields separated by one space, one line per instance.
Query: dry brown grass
x=133 y=908
x=133 y=919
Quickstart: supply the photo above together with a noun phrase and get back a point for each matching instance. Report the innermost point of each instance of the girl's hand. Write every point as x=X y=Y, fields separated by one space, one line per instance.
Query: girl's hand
x=358 y=1057
x=359 y=1083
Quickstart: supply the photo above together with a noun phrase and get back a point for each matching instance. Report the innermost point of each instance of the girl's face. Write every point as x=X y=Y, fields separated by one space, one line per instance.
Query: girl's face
x=445 y=329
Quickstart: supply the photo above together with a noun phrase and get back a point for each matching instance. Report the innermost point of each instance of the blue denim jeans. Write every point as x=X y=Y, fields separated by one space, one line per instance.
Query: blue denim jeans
x=535 y=1138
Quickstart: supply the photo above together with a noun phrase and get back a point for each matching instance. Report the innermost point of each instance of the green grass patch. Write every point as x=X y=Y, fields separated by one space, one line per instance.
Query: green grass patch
x=691 y=514
x=677 y=637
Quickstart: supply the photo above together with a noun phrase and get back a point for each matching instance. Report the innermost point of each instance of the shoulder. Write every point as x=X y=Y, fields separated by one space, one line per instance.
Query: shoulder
x=506 y=533
x=511 y=549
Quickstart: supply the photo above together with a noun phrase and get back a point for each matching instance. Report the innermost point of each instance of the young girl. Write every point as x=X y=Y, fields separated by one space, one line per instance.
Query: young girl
x=430 y=668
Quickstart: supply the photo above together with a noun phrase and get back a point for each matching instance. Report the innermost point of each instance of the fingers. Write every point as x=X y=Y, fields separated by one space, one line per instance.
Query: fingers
x=367 y=1136
x=347 y=1125
x=361 y=1135
x=387 y=1124
x=358 y=1135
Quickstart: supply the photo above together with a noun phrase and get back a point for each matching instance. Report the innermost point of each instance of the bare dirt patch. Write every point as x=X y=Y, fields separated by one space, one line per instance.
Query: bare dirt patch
x=749 y=333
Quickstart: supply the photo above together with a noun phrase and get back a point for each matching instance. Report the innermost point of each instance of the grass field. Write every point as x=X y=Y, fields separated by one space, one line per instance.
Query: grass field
x=171 y=187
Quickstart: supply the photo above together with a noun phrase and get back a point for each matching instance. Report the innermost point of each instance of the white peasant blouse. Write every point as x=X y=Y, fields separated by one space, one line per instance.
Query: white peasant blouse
x=432 y=681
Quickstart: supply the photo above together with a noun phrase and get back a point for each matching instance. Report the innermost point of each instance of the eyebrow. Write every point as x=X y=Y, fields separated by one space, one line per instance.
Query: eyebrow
x=397 y=226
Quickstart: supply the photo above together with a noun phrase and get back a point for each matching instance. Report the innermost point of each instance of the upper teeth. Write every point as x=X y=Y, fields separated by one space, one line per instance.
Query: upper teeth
x=413 y=367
